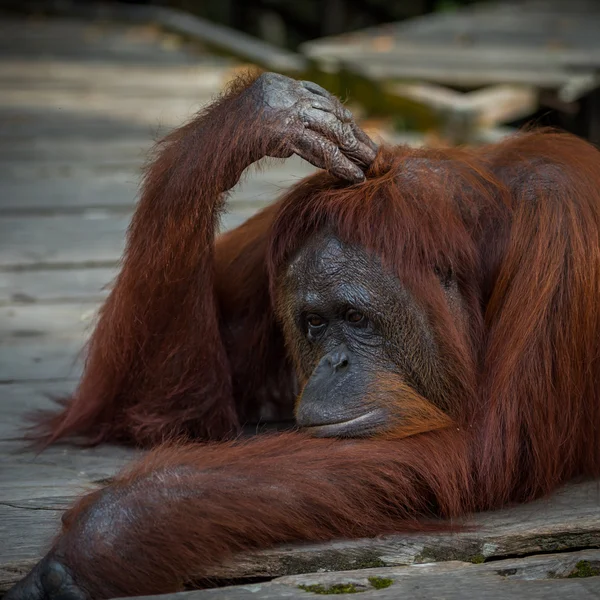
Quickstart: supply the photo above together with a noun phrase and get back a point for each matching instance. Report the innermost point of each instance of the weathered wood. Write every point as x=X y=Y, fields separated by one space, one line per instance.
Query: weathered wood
x=468 y=77
x=220 y=37
x=94 y=238
x=40 y=321
x=138 y=80
x=55 y=285
x=524 y=43
x=41 y=121
x=569 y=519
x=90 y=42
x=43 y=341
x=104 y=104
x=71 y=151
x=536 y=577
x=19 y=399
x=42 y=359
x=66 y=189
x=39 y=341
x=387 y=49
x=52 y=479
x=16 y=546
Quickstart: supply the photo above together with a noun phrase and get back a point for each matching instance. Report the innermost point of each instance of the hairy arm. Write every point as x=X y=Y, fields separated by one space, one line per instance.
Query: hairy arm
x=181 y=511
x=156 y=364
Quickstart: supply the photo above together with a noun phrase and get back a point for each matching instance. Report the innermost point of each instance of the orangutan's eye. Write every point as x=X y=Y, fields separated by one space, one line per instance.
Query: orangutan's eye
x=355 y=317
x=315 y=320
x=315 y=325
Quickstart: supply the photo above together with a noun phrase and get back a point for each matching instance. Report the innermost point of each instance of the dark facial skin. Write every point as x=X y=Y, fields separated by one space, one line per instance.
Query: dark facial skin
x=353 y=324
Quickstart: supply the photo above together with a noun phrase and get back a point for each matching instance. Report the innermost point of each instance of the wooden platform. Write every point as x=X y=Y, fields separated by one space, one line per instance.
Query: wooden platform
x=80 y=105
x=546 y=43
x=533 y=54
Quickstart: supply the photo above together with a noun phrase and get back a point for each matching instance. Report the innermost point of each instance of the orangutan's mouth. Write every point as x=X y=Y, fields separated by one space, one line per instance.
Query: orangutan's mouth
x=362 y=426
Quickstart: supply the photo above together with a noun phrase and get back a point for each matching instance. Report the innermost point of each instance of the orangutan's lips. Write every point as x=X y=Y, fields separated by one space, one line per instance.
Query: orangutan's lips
x=361 y=426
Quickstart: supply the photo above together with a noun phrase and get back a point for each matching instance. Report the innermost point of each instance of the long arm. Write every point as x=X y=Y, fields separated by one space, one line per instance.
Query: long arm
x=181 y=511
x=156 y=364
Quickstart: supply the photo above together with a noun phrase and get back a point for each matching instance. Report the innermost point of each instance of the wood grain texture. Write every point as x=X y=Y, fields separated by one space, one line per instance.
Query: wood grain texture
x=538 y=577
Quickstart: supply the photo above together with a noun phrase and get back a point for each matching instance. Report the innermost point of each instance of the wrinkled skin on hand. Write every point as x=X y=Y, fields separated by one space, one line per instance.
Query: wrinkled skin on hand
x=303 y=118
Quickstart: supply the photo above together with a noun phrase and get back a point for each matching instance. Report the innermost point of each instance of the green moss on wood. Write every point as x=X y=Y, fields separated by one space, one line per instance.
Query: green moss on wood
x=379 y=583
x=368 y=563
x=471 y=554
x=584 y=568
x=330 y=561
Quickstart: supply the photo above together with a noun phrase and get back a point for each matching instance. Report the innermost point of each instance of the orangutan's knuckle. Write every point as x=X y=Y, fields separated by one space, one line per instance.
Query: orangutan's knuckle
x=350 y=142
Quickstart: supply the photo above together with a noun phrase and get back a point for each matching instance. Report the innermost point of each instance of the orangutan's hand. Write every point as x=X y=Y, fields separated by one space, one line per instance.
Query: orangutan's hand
x=300 y=117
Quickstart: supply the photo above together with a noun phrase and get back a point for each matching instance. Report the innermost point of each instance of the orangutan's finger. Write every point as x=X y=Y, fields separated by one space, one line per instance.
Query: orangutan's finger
x=323 y=153
x=341 y=133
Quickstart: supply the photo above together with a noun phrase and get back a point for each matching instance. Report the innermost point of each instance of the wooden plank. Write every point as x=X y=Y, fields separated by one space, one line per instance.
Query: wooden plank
x=95 y=239
x=568 y=519
x=51 y=479
x=42 y=121
x=214 y=35
x=74 y=151
x=86 y=41
x=116 y=194
x=388 y=50
x=471 y=47
x=43 y=342
x=136 y=110
x=16 y=548
x=55 y=285
x=19 y=399
x=459 y=76
x=67 y=188
x=460 y=117
x=41 y=359
x=535 y=578
x=38 y=321
x=189 y=80
x=486 y=107
x=54 y=479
